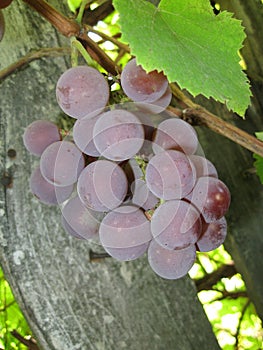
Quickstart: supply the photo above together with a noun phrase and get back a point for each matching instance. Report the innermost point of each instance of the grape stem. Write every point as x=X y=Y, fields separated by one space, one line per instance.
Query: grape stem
x=198 y=115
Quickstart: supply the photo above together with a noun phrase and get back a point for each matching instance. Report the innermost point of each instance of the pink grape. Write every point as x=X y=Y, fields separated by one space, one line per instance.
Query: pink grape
x=170 y=175
x=127 y=254
x=159 y=105
x=118 y=135
x=39 y=135
x=83 y=135
x=141 y=196
x=171 y=264
x=46 y=192
x=82 y=220
x=141 y=86
x=69 y=228
x=213 y=235
x=61 y=163
x=125 y=227
x=211 y=197
x=203 y=166
x=176 y=224
x=102 y=185
x=82 y=91
x=175 y=134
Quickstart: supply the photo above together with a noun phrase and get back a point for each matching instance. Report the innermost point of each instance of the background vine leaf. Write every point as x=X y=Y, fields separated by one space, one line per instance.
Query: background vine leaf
x=193 y=47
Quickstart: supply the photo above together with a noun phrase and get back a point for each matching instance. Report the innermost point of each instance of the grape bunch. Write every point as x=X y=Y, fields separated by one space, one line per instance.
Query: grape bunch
x=130 y=176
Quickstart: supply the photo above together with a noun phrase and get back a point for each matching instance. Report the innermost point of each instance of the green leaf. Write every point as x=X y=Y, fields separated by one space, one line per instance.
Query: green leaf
x=74 y=4
x=193 y=47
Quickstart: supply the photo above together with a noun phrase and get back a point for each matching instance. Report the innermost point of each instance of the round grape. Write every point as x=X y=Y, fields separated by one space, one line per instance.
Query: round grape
x=203 y=166
x=118 y=135
x=141 y=86
x=46 y=192
x=159 y=105
x=141 y=196
x=39 y=135
x=171 y=264
x=61 y=163
x=170 y=175
x=175 y=134
x=176 y=224
x=213 y=235
x=102 y=185
x=82 y=91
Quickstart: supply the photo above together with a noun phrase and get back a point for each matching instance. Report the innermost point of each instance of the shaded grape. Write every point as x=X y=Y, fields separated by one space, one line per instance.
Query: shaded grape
x=46 y=192
x=125 y=227
x=39 y=135
x=127 y=254
x=203 y=166
x=84 y=222
x=176 y=224
x=61 y=163
x=142 y=196
x=118 y=135
x=170 y=175
x=211 y=197
x=141 y=86
x=175 y=134
x=82 y=91
x=102 y=185
x=159 y=105
x=213 y=235
x=171 y=264
x=83 y=135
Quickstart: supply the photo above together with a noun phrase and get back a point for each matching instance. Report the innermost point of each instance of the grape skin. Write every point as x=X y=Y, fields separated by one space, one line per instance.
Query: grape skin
x=83 y=135
x=39 y=135
x=102 y=185
x=141 y=86
x=203 y=166
x=82 y=221
x=82 y=91
x=170 y=175
x=213 y=235
x=61 y=163
x=171 y=264
x=46 y=192
x=118 y=135
x=125 y=227
x=127 y=254
x=141 y=196
x=157 y=106
x=211 y=197
x=176 y=224
x=175 y=134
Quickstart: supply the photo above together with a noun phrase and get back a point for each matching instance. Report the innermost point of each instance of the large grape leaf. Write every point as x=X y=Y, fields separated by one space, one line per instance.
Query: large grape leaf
x=193 y=47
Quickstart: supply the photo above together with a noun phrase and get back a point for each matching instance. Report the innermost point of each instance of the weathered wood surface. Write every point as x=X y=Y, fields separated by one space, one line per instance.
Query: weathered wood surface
x=69 y=302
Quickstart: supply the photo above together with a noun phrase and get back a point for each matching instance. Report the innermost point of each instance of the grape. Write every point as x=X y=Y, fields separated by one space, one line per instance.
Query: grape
x=61 y=163
x=203 y=166
x=118 y=135
x=82 y=221
x=83 y=135
x=5 y=3
x=142 y=197
x=39 y=135
x=211 y=197
x=69 y=229
x=159 y=105
x=148 y=126
x=132 y=170
x=170 y=175
x=46 y=192
x=176 y=224
x=171 y=264
x=127 y=254
x=82 y=91
x=175 y=134
x=213 y=235
x=102 y=185
x=141 y=86
x=125 y=227
x=2 y=25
